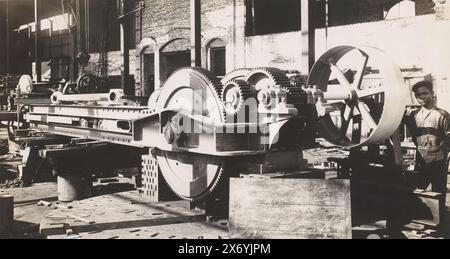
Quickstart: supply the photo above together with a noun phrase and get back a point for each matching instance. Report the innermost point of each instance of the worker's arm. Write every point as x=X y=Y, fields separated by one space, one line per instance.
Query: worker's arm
x=447 y=134
x=410 y=112
x=445 y=126
x=410 y=122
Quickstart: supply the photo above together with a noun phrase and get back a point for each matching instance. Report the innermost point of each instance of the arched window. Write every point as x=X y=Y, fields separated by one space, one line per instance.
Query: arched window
x=174 y=55
x=216 y=50
x=148 y=71
x=402 y=9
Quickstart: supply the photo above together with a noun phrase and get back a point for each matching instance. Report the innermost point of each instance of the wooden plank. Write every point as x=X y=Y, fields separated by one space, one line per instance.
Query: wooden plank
x=428 y=210
x=290 y=209
x=193 y=231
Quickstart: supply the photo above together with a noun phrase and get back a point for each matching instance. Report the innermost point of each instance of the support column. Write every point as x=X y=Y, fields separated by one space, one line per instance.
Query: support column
x=124 y=8
x=308 y=36
x=74 y=68
x=82 y=32
x=74 y=181
x=37 y=20
x=196 y=33
x=87 y=17
x=8 y=39
x=157 y=68
x=73 y=187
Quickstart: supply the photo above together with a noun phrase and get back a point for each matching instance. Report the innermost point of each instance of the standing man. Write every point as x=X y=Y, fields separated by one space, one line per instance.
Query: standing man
x=430 y=128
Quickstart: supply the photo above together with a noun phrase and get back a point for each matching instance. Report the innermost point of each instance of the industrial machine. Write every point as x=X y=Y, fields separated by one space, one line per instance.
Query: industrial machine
x=202 y=130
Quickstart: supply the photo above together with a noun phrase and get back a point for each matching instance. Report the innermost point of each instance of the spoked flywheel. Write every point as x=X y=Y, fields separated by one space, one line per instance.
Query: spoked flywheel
x=367 y=92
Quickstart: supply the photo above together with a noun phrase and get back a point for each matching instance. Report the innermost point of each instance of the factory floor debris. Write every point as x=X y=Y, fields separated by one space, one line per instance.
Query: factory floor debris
x=117 y=212
x=124 y=215
x=27 y=215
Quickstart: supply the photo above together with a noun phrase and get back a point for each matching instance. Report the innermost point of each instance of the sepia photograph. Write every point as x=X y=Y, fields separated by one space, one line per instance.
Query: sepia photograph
x=222 y=126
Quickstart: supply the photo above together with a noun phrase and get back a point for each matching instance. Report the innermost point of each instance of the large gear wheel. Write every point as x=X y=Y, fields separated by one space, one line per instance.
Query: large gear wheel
x=192 y=176
x=238 y=74
x=264 y=78
x=234 y=95
x=153 y=100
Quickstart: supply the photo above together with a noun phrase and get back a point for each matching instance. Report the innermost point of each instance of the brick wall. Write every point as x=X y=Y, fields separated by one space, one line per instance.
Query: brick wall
x=115 y=61
x=162 y=16
x=162 y=21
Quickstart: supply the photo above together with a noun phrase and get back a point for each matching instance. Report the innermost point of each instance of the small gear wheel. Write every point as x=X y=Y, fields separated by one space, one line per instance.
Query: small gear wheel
x=268 y=78
x=295 y=95
x=234 y=94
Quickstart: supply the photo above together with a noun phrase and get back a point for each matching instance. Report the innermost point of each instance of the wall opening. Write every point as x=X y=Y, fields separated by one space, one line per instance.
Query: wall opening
x=217 y=57
x=218 y=61
x=343 y=12
x=174 y=55
x=148 y=75
x=272 y=16
x=171 y=61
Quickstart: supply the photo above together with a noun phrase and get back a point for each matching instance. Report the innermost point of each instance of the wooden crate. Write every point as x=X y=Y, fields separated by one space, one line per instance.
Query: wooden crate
x=290 y=209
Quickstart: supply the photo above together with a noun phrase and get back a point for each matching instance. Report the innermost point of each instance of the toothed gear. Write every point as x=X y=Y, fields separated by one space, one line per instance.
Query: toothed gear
x=216 y=84
x=196 y=79
x=192 y=176
x=213 y=80
x=153 y=100
x=218 y=178
x=295 y=95
x=268 y=77
x=234 y=94
x=238 y=74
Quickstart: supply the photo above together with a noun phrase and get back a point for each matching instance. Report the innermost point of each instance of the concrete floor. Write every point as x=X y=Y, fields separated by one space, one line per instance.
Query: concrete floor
x=27 y=214
x=123 y=215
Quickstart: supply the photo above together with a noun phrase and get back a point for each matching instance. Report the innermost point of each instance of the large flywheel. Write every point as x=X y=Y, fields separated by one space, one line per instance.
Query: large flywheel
x=367 y=93
x=197 y=92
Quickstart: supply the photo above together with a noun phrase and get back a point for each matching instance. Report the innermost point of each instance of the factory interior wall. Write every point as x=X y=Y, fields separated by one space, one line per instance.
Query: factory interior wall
x=115 y=63
x=115 y=60
x=283 y=50
x=169 y=20
x=415 y=42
